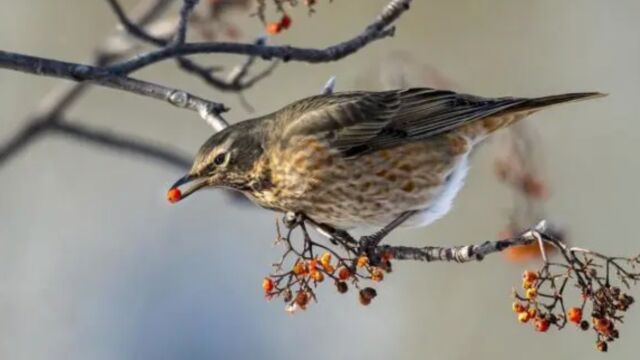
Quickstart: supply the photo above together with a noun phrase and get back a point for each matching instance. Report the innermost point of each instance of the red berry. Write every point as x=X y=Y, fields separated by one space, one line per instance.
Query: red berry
x=174 y=195
x=574 y=315
x=285 y=22
x=542 y=325
x=267 y=285
x=344 y=273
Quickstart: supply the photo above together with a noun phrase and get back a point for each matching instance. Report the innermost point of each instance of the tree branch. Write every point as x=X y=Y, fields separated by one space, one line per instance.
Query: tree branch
x=379 y=29
x=122 y=143
x=467 y=253
x=208 y=110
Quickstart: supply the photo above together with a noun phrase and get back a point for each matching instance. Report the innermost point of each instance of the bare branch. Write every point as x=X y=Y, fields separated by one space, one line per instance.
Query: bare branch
x=377 y=30
x=62 y=97
x=122 y=143
x=185 y=12
x=98 y=76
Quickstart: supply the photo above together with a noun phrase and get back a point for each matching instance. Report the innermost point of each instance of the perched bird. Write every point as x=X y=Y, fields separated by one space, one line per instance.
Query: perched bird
x=359 y=159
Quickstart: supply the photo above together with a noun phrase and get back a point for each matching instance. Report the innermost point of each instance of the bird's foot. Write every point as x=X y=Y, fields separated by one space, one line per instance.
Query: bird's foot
x=292 y=219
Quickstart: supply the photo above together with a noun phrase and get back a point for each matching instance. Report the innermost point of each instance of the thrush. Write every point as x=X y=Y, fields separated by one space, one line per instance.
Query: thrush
x=360 y=159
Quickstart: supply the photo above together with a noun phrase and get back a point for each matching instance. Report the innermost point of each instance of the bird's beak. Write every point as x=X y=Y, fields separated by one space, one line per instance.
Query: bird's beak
x=190 y=190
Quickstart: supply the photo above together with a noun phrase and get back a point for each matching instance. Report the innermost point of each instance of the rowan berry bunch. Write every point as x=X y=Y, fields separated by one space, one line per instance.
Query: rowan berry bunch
x=303 y=267
x=597 y=278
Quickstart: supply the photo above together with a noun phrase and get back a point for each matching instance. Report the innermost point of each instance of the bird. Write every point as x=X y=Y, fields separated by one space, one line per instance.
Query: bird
x=360 y=159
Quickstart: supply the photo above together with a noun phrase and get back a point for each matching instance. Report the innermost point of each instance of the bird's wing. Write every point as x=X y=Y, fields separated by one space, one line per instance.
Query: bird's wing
x=355 y=123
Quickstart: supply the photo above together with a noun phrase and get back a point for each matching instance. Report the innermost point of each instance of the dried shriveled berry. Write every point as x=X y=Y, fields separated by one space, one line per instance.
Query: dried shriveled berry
x=366 y=295
x=342 y=287
x=287 y=295
x=602 y=346
x=584 y=325
x=302 y=298
x=174 y=195
x=377 y=275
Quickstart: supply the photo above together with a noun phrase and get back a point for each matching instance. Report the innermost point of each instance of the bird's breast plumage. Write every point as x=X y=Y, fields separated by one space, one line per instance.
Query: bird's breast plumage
x=308 y=176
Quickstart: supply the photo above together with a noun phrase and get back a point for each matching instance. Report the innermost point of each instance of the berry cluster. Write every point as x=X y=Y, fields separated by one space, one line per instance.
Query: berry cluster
x=542 y=301
x=316 y=263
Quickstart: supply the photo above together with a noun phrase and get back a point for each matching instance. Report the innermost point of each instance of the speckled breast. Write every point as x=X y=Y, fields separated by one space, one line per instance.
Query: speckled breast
x=369 y=190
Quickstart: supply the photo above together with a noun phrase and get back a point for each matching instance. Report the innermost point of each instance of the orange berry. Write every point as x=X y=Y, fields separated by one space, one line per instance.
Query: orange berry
x=602 y=325
x=344 y=273
x=530 y=276
x=174 y=195
x=362 y=261
x=517 y=307
x=329 y=268
x=317 y=276
x=285 y=21
x=313 y=265
x=299 y=268
x=527 y=284
x=523 y=317
x=531 y=294
x=574 y=315
x=532 y=313
x=267 y=285
x=542 y=325
x=274 y=28
x=377 y=275
x=325 y=259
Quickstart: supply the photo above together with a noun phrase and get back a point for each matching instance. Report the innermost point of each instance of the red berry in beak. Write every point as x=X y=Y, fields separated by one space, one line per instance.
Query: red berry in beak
x=174 y=195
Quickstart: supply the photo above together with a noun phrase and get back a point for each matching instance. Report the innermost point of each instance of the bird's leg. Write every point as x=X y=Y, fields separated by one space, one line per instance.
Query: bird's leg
x=368 y=243
x=334 y=235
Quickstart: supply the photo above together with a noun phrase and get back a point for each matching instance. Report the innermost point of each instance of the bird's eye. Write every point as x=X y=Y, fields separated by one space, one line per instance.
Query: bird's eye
x=220 y=158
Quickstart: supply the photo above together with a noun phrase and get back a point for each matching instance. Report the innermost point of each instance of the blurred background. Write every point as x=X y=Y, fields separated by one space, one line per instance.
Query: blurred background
x=95 y=264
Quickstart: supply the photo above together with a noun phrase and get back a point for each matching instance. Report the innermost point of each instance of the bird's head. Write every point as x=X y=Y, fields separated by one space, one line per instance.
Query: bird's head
x=224 y=160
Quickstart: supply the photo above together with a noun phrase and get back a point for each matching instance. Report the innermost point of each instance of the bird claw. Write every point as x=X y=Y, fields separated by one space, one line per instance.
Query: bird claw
x=292 y=219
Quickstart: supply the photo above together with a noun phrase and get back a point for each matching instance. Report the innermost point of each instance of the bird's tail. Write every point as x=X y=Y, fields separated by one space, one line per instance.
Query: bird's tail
x=524 y=108
x=546 y=101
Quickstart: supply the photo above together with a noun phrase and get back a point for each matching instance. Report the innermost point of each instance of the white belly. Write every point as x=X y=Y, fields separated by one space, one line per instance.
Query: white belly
x=440 y=205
